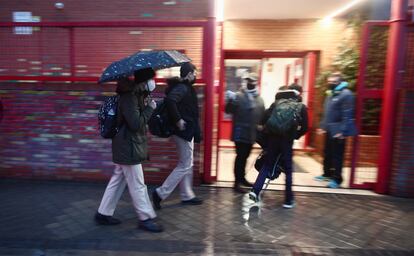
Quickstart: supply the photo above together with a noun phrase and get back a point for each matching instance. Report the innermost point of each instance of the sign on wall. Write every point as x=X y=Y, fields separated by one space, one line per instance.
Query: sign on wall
x=24 y=17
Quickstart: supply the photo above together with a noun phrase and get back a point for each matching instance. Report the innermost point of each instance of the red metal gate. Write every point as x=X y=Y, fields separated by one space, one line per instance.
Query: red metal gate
x=370 y=84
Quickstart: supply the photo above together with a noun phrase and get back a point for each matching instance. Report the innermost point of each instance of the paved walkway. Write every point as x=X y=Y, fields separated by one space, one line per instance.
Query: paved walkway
x=55 y=218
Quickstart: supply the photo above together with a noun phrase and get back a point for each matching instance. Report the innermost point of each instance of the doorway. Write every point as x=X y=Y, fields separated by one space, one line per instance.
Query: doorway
x=274 y=69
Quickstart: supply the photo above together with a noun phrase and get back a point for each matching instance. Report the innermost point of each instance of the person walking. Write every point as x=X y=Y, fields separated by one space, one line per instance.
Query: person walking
x=247 y=109
x=338 y=123
x=129 y=150
x=279 y=147
x=182 y=106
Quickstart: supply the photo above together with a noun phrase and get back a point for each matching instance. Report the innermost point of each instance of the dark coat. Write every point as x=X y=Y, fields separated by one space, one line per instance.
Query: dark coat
x=245 y=117
x=182 y=103
x=339 y=116
x=129 y=146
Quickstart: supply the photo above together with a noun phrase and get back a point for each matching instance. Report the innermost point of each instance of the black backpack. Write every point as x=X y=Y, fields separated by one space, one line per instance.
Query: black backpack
x=107 y=117
x=159 y=122
x=285 y=117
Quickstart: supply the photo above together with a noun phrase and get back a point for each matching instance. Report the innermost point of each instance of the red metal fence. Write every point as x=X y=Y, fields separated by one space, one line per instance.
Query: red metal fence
x=369 y=104
x=74 y=51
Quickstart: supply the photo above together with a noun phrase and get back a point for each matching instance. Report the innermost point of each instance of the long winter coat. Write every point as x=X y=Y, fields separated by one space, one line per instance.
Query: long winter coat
x=246 y=116
x=129 y=146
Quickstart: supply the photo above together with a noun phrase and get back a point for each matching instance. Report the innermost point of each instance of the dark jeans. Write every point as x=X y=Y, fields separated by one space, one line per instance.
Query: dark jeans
x=333 y=158
x=242 y=153
x=276 y=146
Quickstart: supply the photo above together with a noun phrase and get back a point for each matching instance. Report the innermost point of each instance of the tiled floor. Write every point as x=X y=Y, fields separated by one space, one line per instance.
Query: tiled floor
x=305 y=169
x=55 y=218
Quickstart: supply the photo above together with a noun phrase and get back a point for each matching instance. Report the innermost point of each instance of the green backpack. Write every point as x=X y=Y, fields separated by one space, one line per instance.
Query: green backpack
x=285 y=117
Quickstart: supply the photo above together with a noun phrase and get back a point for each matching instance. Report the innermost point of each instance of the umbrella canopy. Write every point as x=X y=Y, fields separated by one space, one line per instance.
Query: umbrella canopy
x=141 y=60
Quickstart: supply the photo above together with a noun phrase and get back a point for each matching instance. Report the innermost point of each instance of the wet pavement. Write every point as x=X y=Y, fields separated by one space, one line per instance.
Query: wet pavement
x=56 y=218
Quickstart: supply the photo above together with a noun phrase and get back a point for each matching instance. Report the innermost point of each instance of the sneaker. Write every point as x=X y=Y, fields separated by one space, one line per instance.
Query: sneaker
x=156 y=200
x=106 y=220
x=151 y=225
x=253 y=196
x=289 y=205
x=322 y=178
x=333 y=184
x=193 y=201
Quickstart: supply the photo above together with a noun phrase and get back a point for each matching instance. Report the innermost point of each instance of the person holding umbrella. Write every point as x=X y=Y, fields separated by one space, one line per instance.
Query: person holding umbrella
x=183 y=110
x=129 y=150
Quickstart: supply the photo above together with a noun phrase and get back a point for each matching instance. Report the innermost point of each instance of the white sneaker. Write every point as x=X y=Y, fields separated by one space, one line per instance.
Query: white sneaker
x=289 y=205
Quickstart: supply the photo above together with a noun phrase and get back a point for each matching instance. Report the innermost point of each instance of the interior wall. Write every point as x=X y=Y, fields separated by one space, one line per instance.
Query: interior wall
x=273 y=76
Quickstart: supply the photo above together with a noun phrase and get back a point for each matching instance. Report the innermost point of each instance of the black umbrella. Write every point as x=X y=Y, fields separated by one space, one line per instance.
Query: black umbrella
x=140 y=60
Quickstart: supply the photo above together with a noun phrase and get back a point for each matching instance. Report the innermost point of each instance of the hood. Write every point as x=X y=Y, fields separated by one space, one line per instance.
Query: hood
x=287 y=94
x=125 y=85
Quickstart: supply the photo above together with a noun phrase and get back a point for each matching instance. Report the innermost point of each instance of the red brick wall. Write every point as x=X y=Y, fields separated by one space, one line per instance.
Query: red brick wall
x=49 y=131
x=107 y=10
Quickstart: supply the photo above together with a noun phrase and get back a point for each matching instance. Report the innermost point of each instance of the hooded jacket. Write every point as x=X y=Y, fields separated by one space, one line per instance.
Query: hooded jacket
x=339 y=113
x=182 y=103
x=129 y=146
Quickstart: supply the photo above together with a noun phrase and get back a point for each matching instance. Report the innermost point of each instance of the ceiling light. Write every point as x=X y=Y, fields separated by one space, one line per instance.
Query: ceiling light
x=219 y=10
x=341 y=10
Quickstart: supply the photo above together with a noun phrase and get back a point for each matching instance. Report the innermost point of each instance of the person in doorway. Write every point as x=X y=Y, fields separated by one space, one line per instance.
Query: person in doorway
x=278 y=147
x=338 y=123
x=182 y=105
x=129 y=150
x=296 y=86
x=247 y=109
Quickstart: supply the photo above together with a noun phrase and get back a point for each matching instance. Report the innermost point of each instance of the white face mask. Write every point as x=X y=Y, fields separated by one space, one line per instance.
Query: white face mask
x=150 y=85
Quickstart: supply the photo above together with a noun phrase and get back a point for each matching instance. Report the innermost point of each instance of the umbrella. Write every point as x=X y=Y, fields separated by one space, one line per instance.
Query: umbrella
x=140 y=60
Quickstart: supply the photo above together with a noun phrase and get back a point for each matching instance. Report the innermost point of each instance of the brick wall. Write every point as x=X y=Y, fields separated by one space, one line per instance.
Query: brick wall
x=49 y=131
x=294 y=35
x=106 y=10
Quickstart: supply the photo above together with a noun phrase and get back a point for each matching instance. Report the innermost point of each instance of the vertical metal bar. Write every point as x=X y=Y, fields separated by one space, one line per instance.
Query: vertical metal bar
x=221 y=101
x=393 y=79
x=311 y=91
x=209 y=41
x=360 y=98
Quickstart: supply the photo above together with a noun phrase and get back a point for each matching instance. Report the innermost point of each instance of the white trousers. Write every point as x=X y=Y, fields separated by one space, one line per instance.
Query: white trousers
x=182 y=174
x=133 y=176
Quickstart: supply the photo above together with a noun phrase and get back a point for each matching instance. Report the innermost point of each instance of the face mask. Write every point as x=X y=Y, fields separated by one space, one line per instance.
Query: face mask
x=191 y=77
x=332 y=85
x=251 y=86
x=150 y=86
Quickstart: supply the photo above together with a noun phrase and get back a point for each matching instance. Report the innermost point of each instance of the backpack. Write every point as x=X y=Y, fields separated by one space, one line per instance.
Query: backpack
x=285 y=117
x=107 y=117
x=159 y=122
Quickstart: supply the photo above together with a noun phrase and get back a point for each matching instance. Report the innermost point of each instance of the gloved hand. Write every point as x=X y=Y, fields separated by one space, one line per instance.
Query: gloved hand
x=230 y=95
